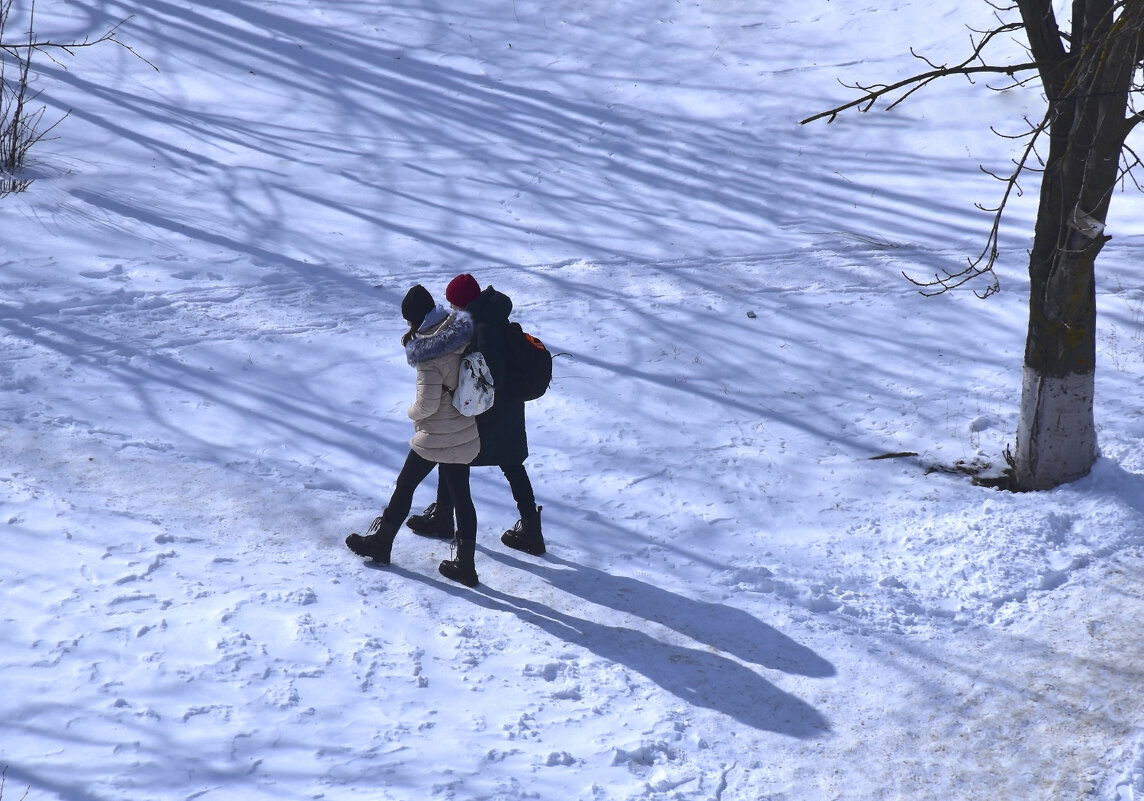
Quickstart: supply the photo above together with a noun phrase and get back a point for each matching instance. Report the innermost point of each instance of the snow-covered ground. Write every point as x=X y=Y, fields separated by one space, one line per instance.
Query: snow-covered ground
x=202 y=393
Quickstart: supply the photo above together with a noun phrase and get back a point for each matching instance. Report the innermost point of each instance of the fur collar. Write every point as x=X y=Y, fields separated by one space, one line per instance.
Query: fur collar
x=454 y=332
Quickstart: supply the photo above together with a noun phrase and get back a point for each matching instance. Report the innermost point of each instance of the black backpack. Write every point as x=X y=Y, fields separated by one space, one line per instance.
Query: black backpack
x=529 y=365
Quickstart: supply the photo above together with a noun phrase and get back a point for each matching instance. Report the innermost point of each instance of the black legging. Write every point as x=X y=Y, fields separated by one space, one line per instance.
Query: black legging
x=453 y=476
x=518 y=483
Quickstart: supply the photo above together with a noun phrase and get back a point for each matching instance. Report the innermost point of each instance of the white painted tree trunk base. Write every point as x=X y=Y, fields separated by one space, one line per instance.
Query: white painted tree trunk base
x=1056 y=435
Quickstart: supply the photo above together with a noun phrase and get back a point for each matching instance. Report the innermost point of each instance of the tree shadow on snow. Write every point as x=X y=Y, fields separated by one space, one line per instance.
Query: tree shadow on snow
x=615 y=175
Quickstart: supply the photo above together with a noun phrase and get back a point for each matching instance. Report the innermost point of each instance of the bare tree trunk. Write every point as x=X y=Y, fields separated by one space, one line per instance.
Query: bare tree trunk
x=1056 y=435
x=1088 y=91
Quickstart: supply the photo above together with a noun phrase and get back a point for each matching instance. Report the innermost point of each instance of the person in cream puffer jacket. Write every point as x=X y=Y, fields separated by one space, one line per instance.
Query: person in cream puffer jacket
x=441 y=433
x=442 y=436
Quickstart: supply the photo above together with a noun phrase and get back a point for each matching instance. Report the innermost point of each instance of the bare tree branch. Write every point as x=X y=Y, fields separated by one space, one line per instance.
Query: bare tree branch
x=878 y=91
x=46 y=46
x=974 y=64
x=1130 y=165
x=985 y=262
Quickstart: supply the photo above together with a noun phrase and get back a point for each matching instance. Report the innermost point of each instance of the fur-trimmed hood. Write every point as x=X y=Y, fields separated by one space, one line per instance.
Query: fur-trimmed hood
x=453 y=333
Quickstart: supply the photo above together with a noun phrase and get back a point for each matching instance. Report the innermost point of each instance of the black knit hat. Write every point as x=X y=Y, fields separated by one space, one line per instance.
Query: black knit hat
x=418 y=302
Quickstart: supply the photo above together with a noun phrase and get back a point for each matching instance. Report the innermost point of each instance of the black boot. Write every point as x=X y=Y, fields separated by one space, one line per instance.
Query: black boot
x=377 y=542
x=525 y=535
x=461 y=568
x=432 y=524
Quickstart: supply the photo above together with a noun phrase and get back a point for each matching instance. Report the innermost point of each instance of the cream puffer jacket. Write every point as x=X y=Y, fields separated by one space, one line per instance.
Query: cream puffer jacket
x=441 y=433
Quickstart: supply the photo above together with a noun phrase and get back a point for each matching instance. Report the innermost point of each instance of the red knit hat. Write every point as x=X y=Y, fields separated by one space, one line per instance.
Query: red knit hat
x=462 y=290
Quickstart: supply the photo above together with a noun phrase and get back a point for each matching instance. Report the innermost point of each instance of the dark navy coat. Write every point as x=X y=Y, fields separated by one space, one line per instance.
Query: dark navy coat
x=503 y=439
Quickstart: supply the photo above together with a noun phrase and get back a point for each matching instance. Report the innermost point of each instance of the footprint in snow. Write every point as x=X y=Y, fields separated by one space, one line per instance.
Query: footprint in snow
x=115 y=271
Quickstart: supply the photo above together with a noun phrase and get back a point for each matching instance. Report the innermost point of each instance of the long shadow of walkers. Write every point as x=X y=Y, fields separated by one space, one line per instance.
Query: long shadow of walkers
x=719 y=626
x=697 y=676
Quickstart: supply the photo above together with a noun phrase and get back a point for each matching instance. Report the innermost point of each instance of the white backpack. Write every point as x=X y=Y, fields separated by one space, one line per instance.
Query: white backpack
x=474 y=392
